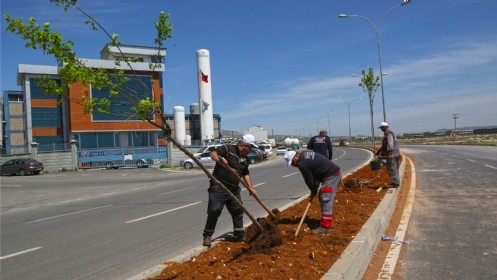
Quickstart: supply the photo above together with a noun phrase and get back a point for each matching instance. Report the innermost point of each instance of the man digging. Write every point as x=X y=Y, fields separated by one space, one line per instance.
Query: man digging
x=316 y=169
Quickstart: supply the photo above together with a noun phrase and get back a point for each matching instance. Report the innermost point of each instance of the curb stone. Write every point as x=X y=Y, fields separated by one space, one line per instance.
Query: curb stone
x=354 y=261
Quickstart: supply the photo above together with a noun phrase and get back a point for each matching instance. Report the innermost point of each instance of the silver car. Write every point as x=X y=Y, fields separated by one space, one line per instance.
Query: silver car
x=205 y=159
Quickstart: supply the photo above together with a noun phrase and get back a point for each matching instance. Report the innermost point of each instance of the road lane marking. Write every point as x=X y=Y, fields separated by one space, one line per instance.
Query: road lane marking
x=106 y=194
x=393 y=254
x=67 y=214
x=19 y=253
x=70 y=200
x=179 y=190
x=490 y=166
x=161 y=213
x=10 y=186
x=291 y=174
x=471 y=160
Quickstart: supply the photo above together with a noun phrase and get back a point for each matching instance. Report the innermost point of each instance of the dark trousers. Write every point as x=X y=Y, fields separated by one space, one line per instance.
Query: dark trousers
x=217 y=200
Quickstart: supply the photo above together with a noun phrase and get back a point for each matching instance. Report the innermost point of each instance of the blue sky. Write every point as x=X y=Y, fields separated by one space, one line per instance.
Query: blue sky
x=282 y=64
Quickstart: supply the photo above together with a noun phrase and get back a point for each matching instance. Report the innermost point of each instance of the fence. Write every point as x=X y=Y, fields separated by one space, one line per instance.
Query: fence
x=122 y=157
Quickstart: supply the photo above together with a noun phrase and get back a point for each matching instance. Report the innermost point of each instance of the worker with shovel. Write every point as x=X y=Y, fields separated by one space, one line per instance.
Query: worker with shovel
x=318 y=169
x=226 y=157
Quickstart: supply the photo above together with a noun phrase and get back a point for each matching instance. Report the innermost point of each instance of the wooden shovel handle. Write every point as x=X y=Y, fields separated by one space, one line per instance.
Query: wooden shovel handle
x=233 y=172
x=302 y=219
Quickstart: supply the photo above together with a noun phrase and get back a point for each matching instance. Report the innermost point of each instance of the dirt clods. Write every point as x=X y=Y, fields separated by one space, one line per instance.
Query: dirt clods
x=263 y=241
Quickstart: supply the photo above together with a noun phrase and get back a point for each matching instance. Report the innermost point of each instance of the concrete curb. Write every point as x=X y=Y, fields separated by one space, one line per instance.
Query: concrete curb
x=355 y=259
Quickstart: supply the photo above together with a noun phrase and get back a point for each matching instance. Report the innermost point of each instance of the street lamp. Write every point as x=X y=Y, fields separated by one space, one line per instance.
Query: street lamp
x=404 y=2
x=348 y=107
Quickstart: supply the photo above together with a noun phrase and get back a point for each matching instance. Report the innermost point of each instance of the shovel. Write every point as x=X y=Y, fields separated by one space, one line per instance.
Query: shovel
x=234 y=173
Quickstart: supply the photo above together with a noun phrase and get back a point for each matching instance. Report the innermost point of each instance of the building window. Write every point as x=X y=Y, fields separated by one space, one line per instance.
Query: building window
x=130 y=93
x=44 y=140
x=37 y=92
x=139 y=139
x=46 y=117
x=16 y=98
x=108 y=140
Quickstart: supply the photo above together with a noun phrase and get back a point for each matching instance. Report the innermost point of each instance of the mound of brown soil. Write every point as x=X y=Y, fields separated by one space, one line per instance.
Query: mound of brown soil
x=277 y=253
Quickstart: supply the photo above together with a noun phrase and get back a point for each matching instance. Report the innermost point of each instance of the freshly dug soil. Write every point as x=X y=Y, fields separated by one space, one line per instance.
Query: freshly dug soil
x=277 y=253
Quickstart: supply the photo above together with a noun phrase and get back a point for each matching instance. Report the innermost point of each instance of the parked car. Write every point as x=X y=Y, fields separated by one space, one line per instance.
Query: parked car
x=208 y=148
x=281 y=150
x=255 y=156
x=205 y=159
x=267 y=148
x=21 y=166
x=263 y=152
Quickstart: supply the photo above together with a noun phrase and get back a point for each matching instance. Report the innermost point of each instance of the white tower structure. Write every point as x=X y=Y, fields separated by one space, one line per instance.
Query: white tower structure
x=205 y=95
x=179 y=124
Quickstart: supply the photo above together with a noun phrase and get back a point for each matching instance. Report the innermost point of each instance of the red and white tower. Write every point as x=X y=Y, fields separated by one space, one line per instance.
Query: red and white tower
x=205 y=95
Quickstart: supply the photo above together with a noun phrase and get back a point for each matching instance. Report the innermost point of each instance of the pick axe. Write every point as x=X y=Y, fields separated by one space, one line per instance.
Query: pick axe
x=305 y=212
x=234 y=173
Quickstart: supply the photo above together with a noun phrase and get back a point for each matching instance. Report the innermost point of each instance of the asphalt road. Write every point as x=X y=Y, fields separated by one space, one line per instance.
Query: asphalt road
x=453 y=225
x=113 y=224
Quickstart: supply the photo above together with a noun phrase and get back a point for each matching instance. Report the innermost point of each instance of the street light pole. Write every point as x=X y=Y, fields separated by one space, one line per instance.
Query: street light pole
x=348 y=107
x=455 y=116
x=377 y=32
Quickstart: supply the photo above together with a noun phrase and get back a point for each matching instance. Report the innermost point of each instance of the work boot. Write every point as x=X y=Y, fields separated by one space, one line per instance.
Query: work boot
x=393 y=185
x=320 y=230
x=239 y=237
x=207 y=241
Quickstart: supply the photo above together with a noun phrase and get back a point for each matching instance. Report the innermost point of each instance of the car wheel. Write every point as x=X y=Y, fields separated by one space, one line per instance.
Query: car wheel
x=188 y=165
x=37 y=172
x=22 y=172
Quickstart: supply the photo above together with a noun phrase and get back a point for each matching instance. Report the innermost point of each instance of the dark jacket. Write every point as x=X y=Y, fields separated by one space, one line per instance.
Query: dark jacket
x=321 y=144
x=315 y=168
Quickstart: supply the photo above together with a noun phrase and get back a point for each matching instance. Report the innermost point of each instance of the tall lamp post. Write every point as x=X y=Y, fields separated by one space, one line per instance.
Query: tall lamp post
x=376 y=29
x=455 y=116
x=348 y=107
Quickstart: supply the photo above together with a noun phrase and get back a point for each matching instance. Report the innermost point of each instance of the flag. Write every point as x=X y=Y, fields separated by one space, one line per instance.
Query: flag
x=205 y=78
x=205 y=106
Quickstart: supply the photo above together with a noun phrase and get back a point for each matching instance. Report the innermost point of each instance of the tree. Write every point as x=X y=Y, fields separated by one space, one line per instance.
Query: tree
x=74 y=70
x=370 y=84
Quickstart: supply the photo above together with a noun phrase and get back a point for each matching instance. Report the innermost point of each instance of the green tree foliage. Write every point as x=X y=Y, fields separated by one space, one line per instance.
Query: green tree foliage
x=370 y=83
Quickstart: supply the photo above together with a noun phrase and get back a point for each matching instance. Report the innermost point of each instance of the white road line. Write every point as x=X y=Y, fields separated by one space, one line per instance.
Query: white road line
x=10 y=186
x=260 y=184
x=291 y=174
x=256 y=185
x=67 y=214
x=106 y=194
x=70 y=200
x=471 y=160
x=490 y=166
x=179 y=190
x=393 y=254
x=157 y=214
x=19 y=253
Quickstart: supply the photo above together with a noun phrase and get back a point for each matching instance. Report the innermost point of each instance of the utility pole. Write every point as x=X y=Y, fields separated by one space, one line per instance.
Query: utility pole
x=455 y=116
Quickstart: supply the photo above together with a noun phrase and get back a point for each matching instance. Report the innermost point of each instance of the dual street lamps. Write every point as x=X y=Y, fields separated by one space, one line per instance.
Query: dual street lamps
x=348 y=106
x=376 y=29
